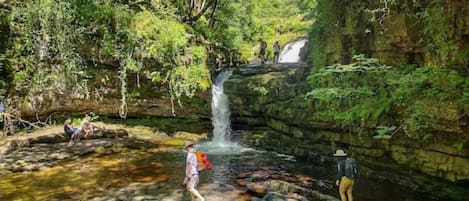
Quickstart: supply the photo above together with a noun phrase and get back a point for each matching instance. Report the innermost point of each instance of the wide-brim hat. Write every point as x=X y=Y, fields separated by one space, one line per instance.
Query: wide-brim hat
x=188 y=144
x=340 y=152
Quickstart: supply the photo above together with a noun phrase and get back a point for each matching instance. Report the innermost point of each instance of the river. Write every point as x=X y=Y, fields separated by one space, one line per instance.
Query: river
x=156 y=173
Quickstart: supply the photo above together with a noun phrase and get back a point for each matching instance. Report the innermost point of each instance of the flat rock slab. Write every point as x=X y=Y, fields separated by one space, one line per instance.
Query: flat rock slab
x=14 y=143
x=40 y=155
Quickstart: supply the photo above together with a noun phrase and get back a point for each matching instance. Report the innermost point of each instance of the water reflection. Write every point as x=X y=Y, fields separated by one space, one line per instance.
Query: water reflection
x=156 y=174
x=152 y=174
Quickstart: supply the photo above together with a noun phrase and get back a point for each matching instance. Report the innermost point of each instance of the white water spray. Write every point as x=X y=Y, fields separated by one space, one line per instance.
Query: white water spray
x=291 y=52
x=220 y=110
x=221 y=142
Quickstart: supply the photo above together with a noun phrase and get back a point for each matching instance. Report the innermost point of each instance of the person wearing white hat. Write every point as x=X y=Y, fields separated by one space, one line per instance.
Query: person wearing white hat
x=191 y=178
x=346 y=175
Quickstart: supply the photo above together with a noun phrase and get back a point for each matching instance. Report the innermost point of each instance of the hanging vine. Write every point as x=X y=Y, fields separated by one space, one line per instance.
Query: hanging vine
x=44 y=53
x=123 y=106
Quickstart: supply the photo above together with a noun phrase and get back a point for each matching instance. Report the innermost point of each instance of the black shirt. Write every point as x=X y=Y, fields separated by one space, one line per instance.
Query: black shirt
x=68 y=130
x=341 y=168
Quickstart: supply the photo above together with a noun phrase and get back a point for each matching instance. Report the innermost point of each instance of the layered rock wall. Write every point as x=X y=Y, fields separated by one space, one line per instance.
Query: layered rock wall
x=395 y=31
x=284 y=121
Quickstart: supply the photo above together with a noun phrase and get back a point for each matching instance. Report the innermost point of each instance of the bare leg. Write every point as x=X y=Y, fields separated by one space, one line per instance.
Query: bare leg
x=344 y=186
x=191 y=188
x=196 y=194
x=192 y=196
x=343 y=197
x=349 y=192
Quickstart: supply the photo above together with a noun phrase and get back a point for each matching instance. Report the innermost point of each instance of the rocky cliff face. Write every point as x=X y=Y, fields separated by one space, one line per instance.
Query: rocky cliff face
x=396 y=31
x=271 y=99
x=101 y=95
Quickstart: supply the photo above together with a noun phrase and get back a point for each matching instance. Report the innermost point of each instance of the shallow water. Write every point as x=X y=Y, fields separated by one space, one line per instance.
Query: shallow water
x=157 y=173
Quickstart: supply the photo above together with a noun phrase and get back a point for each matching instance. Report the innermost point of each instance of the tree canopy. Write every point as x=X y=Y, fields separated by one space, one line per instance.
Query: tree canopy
x=50 y=46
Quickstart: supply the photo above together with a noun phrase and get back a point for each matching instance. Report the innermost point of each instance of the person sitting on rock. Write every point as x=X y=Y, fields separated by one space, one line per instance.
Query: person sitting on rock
x=87 y=126
x=70 y=130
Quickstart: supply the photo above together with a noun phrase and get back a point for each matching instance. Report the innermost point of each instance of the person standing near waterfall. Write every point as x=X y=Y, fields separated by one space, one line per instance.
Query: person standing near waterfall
x=276 y=51
x=192 y=175
x=263 y=46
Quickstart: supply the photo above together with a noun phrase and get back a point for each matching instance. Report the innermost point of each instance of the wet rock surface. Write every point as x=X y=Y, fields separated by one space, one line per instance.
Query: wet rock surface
x=275 y=184
x=42 y=155
x=259 y=184
x=115 y=165
x=17 y=142
x=35 y=151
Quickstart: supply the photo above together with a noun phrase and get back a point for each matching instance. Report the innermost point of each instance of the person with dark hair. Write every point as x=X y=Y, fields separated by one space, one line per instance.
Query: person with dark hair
x=347 y=173
x=263 y=46
x=276 y=51
x=70 y=130
x=191 y=178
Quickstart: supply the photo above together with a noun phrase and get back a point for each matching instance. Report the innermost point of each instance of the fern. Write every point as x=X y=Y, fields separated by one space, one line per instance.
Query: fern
x=365 y=93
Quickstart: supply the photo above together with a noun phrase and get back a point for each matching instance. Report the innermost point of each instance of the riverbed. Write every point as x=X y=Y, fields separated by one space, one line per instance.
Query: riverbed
x=136 y=171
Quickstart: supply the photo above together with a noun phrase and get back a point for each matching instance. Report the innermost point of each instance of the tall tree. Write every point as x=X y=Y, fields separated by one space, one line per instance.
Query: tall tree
x=193 y=10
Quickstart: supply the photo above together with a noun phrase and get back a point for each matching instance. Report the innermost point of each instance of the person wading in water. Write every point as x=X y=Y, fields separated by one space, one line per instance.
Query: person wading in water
x=347 y=173
x=192 y=175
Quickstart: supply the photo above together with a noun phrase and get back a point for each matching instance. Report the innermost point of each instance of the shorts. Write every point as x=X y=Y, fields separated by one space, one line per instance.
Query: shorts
x=347 y=180
x=262 y=52
x=193 y=181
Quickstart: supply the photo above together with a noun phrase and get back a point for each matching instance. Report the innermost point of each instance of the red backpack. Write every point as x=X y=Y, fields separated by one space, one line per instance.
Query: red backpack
x=202 y=161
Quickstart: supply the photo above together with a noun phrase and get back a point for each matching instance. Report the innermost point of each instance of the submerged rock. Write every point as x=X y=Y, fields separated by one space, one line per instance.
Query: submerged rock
x=258 y=188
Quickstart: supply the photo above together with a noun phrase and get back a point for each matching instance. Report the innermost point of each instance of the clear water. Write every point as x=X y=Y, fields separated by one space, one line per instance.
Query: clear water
x=157 y=173
x=153 y=173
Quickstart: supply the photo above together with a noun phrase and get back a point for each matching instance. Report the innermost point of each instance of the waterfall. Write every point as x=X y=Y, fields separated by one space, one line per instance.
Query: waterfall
x=291 y=52
x=221 y=143
x=220 y=111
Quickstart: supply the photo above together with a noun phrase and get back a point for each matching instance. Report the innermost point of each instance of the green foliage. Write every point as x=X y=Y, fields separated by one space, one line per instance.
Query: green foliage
x=257 y=86
x=261 y=90
x=241 y=23
x=324 y=27
x=156 y=76
x=463 y=57
x=459 y=146
x=198 y=53
x=93 y=116
x=364 y=93
x=437 y=34
x=186 y=80
x=54 y=42
x=43 y=34
x=384 y=132
x=51 y=37
x=155 y=37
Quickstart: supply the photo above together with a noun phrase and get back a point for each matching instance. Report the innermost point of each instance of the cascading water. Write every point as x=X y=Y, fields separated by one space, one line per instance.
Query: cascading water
x=291 y=52
x=221 y=142
x=220 y=110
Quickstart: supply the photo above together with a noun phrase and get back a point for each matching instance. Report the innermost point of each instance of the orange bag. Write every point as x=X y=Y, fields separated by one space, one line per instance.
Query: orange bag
x=202 y=161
